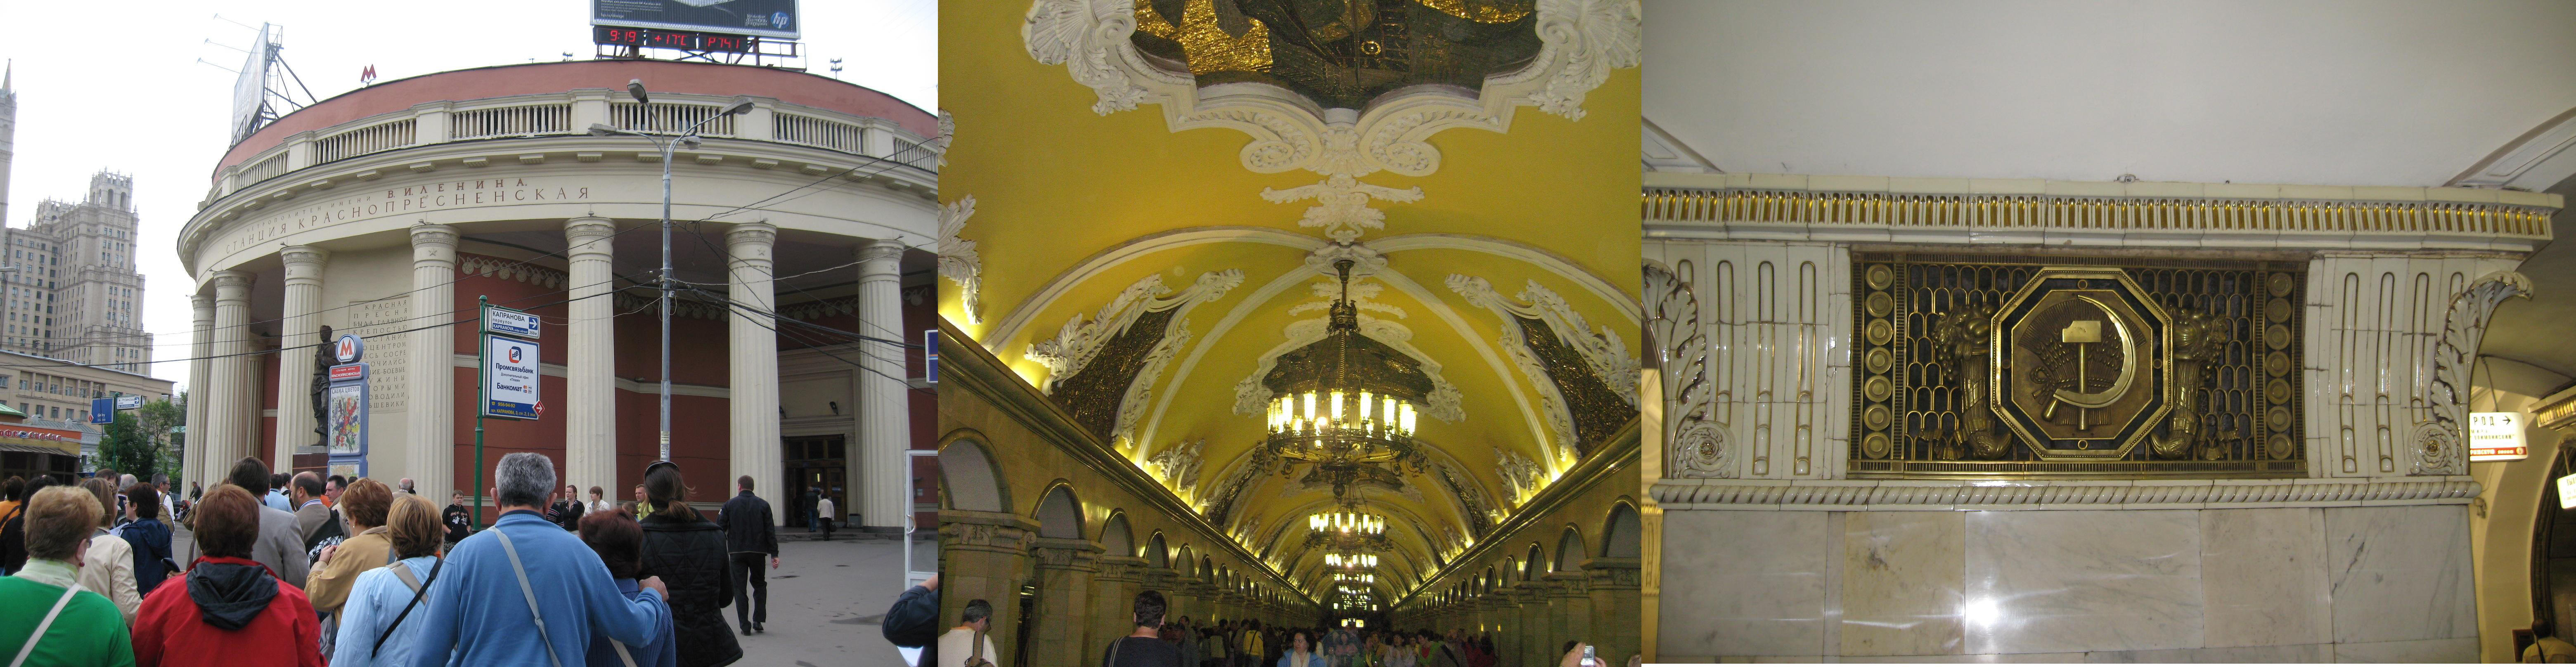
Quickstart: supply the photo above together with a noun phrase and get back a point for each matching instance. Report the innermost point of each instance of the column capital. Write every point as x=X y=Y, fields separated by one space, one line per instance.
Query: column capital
x=433 y=243
x=303 y=263
x=230 y=285
x=586 y=233
x=881 y=259
x=751 y=233
x=203 y=306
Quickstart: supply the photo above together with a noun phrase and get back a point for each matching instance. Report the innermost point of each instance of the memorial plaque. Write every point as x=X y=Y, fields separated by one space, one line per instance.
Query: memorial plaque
x=388 y=357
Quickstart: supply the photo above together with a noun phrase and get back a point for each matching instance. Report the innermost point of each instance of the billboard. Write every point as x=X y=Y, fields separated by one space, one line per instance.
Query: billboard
x=250 y=91
x=510 y=378
x=766 y=18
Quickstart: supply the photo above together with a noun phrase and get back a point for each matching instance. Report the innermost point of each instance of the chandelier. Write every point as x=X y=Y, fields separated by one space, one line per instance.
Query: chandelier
x=1350 y=577
x=1345 y=403
x=1350 y=561
x=1347 y=531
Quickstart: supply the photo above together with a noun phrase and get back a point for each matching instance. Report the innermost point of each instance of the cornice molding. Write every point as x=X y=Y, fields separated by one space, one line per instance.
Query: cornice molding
x=1792 y=207
x=1868 y=495
x=1584 y=478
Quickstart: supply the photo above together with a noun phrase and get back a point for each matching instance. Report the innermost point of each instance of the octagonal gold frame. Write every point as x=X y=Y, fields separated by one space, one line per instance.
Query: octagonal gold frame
x=2000 y=384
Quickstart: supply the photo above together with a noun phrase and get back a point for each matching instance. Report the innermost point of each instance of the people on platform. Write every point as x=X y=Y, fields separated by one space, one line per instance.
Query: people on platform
x=458 y=520
x=751 y=536
x=107 y=566
x=487 y=599
x=366 y=548
x=80 y=627
x=1299 y=655
x=688 y=552
x=150 y=538
x=619 y=542
x=970 y=644
x=1144 y=647
x=379 y=618
x=232 y=609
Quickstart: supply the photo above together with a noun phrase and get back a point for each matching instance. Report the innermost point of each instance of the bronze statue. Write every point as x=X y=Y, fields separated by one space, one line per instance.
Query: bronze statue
x=323 y=360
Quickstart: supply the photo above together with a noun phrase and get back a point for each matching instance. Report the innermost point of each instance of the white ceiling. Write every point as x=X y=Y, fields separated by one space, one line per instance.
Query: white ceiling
x=2340 y=92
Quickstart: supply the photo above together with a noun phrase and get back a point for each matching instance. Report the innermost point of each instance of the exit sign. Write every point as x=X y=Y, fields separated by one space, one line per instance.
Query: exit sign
x=2497 y=436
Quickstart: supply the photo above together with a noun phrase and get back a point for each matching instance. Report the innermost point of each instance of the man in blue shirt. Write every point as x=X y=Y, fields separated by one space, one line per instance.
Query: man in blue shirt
x=277 y=494
x=478 y=611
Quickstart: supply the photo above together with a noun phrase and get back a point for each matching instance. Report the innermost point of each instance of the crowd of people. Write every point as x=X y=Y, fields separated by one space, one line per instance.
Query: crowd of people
x=1160 y=641
x=314 y=570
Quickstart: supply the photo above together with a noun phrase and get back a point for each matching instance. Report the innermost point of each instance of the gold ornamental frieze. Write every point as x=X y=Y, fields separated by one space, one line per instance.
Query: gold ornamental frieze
x=2075 y=367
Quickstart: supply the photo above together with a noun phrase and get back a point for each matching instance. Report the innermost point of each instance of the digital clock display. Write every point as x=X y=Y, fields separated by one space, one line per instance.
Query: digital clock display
x=685 y=40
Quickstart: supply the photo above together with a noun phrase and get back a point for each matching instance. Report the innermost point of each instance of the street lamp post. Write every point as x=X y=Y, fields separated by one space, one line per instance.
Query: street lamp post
x=667 y=141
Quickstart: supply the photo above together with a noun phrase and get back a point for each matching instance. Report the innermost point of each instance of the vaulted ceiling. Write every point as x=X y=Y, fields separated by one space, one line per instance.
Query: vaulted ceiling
x=1100 y=205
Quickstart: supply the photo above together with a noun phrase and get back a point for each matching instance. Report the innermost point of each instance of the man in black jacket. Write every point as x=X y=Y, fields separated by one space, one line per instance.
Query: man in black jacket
x=750 y=532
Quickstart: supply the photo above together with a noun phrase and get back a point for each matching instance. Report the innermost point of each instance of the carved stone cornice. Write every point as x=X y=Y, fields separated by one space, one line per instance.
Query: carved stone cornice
x=1056 y=553
x=963 y=530
x=1794 y=207
x=1714 y=494
x=1613 y=573
x=1121 y=568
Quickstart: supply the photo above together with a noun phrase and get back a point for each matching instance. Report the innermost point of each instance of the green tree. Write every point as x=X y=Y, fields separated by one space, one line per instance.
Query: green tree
x=126 y=447
x=158 y=421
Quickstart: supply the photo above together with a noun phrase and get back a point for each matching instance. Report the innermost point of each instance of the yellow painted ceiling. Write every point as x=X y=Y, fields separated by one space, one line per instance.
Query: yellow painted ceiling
x=1056 y=184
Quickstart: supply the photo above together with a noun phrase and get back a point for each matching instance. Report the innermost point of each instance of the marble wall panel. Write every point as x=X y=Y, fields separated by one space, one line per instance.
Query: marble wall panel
x=2057 y=581
x=2400 y=573
x=2463 y=649
x=1744 y=583
x=1903 y=582
x=2263 y=577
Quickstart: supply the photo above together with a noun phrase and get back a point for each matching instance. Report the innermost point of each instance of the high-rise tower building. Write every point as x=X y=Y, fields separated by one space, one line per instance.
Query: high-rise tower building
x=72 y=288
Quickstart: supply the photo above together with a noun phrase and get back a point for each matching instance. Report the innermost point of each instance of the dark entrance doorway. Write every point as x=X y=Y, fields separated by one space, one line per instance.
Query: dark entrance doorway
x=815 y=464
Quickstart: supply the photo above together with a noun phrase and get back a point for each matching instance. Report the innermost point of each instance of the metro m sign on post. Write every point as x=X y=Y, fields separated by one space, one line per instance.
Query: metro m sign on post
x=2497 y=436
x=511 y=377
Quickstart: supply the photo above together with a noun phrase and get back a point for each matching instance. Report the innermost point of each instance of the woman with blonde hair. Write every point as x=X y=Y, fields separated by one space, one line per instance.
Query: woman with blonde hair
x=109 y=563
x=373 y=626
x=363 y=504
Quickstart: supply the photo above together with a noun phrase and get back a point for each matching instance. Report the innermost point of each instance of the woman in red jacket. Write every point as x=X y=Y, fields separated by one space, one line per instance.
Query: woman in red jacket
x=232 y=611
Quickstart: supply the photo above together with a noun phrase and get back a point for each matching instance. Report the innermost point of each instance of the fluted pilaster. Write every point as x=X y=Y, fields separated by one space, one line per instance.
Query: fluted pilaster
x=590 y=359
x=885 y=412
x=299 y=327
x=231 y=416
x=754 y=366
x=197 y=460
x=431 y=421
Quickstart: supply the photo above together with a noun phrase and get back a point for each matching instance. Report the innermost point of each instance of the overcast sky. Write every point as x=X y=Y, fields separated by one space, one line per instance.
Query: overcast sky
x=118 y=86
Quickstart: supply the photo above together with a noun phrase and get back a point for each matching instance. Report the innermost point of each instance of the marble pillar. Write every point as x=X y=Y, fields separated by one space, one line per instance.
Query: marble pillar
x=232 y=413
x=885 y=403
x=590 y=359
x=431 y=419
x=1615 y=591
x=1534 y=615
x=198 y=461
x=1113 y=602
x=754 y=362
x=1571 y=605
x=983 y=556
x=299 y=328
x=1065 y=571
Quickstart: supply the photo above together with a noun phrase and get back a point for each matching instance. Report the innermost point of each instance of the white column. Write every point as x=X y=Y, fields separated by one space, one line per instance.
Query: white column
x=431 y=421
x=885 y=410
x=196 y=462
x=295 y=366
x=590 y=360
x=754 y=363
x=235 y=390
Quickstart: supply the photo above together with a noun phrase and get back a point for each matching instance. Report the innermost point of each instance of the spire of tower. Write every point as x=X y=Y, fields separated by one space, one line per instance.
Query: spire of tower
x=8 y=72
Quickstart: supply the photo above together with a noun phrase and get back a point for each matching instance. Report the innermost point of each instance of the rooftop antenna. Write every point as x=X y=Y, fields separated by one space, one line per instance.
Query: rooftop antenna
x=836 y=69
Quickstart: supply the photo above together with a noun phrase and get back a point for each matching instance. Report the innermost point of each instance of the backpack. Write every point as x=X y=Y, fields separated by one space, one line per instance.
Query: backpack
x=977 y=659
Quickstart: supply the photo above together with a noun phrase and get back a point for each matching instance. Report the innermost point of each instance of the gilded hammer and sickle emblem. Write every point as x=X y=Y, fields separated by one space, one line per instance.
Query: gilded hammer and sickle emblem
x=2083 y=335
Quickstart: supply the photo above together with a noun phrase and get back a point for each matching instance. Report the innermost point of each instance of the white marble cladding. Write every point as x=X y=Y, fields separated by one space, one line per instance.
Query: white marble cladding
x=1776 y=316
x=2372 y=324
x=2149 y=494
x=2300 y=584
